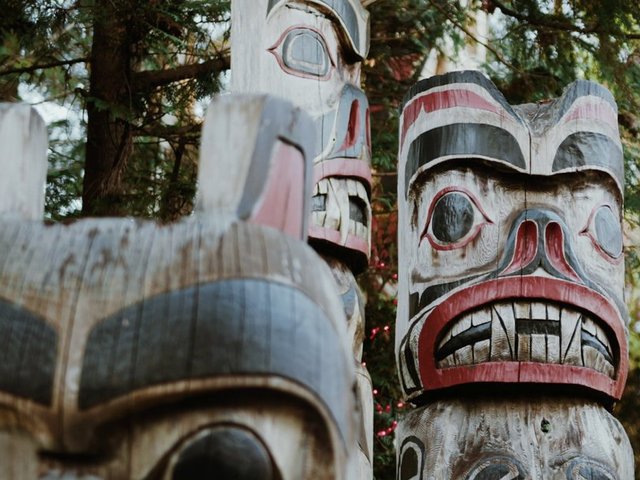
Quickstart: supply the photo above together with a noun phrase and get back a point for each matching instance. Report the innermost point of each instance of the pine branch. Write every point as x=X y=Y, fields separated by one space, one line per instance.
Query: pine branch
x=560 y=25
x=148 y=80
x=43 y=66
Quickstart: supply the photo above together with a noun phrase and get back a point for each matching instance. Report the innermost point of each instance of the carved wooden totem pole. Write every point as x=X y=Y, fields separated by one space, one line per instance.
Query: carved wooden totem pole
x=215 y=347
x=511 y=327
x=310 y=52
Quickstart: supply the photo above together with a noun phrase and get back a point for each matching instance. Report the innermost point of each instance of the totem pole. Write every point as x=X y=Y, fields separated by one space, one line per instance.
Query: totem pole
x=310 y=52
x=214 y=347
x=511 y=327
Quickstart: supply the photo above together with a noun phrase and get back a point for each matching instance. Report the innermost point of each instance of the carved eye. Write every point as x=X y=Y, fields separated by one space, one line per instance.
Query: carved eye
x=498 y=468
x=605 y=232
x=302 y=51
x=581 y=469
x=454 y=219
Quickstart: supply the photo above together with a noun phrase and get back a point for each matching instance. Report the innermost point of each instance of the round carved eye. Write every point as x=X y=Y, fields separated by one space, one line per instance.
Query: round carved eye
x=302 y=51
x=454 y=219
x=498 y=468
x=581 y=469
x=605 y=231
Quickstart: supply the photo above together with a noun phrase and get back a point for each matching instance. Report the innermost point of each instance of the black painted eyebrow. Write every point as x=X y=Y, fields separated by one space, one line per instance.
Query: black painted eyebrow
x=469 y=139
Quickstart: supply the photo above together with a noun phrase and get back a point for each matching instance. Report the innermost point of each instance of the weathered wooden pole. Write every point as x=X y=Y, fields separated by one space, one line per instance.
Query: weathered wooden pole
x=23 y=161
x=511 y=327
x=214 y=347
x=310 y=52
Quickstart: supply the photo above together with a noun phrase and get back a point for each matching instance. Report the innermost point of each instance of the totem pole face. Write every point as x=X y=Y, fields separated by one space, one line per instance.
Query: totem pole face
x=309 y=51
x=552 y=439
x=511 y=238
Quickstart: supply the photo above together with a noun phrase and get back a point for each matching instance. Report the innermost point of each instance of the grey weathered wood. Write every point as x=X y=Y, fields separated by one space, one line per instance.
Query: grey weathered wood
x=23 y=150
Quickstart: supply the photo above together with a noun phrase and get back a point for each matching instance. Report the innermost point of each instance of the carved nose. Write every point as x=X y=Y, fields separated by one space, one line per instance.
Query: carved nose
x=539 y=239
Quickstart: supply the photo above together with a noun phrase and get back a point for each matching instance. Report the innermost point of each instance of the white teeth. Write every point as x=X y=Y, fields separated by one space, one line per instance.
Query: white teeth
x=352 y=227
x=362 y=191
x=352 y=188
x=503 y=332
x=514 y=335
x=316 y=190
x=318 y=218
x=323 y=186
x=482 y=351
x=570 y=337
x=539 y=348
x=538 y=311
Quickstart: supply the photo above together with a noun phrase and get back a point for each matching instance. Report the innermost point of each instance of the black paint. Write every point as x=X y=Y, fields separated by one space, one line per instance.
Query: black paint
x=497 y=468
x=537 y=327
x=412 y=459
x=305 y=51
x=319 y=203
x=418 y=301
x=29 y=352
x=584 y=469
x=230 y=327
x=358 y=210
x=608 y=232
x=467 y=76
x=463 y=139
x=585 y=149
x=470 y=336
x=452 y=217
x=588 y=340
x=225 y=453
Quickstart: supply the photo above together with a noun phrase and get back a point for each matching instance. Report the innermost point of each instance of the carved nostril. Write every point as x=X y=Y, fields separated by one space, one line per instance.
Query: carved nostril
x=555 y=251
x=525 y=248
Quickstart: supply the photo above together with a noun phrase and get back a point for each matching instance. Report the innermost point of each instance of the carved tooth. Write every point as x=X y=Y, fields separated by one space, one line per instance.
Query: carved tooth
x=523 y=310
x=553 y=349
x=538 y=311
x=524 y=348
x=538 y=348
x=445 y=339
x=603 y=337
x=447 y=362
x=323 y=186
x=482 y=351
x=362 y=191
x=553 y=312
x=590 y=357
x=316 y=190
x=464 y=355
x=461 y=325
x=503 y=331
x=570 y=337
x=481 y=316
x=589 y=325
x=352 y=227
x=318 y=218
x=609 y=370
x=361 y=231
x=352 y=187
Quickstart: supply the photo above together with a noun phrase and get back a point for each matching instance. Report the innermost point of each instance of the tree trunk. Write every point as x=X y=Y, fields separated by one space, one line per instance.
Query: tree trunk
x=109 y=132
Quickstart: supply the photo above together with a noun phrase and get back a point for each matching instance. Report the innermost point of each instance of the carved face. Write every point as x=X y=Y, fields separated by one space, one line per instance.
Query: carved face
x=310 y=52
x=551 y=439
x=511 y=242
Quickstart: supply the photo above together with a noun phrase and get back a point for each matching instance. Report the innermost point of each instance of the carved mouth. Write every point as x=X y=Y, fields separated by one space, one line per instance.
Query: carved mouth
x=526 y=331
x=329 y=194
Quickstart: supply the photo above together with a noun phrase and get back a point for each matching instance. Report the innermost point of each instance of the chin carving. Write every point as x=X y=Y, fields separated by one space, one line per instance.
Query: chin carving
x=511 y=273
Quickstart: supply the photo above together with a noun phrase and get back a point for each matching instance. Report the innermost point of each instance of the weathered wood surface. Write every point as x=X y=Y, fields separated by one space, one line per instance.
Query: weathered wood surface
x=310 y=52
x=510 y=280
x=23 y=151
x=513 y=438
x=511 y=266
x=134 y=350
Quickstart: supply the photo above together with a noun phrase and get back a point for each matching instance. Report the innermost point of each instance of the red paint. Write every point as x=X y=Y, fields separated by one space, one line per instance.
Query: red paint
x=525 y=249
x=368 y=130
x=282 y=202
x=343 y=167
x=522 y=288
x=435 y=101
x=554 y=248
x=597 y=110
x=353 y=129
x=469 y=237
x=352 y=242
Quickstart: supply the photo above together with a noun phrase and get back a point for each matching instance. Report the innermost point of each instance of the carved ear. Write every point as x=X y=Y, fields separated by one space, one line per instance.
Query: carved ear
x=23 y=161
x=256 y=162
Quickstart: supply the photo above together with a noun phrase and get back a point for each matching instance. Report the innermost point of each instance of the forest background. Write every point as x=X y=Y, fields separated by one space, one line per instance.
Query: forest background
x=125 y=84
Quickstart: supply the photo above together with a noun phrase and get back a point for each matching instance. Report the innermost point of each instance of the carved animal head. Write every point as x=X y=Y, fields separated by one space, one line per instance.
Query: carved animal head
x=310 y=52
x=510 y=248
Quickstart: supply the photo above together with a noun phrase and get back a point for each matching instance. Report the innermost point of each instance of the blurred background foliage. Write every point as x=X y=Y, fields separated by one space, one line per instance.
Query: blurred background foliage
x=174 y=54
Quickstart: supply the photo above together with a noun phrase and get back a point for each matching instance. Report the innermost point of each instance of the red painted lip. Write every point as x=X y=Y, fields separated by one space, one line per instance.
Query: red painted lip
x=522 y=288
x=343 y=167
